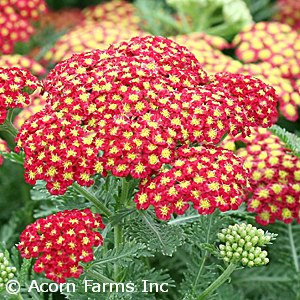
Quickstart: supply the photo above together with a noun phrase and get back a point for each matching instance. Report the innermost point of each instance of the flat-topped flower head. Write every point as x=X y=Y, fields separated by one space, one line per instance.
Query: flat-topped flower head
x=37 y=103
x=242 y=244
x=61 y=241
x=207 y=50
x=15 y=85
x=127 y=109
x=248 y=101
x=88 y=36
x=274 y=175
x=271 y=42
x=15 y=21
x=208 y=177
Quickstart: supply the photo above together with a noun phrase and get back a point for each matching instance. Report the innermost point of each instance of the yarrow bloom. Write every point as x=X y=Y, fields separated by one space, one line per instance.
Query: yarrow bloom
x=241 y=244
x=88 y=36
x=15 y=84
x=208 y=177
x=279 y=45
x=37 y=103
x=23 y=62
x=100 y=26
x=207 y=50
x=6 y=271
x=61 y=241
x=121 y=13
x=127 y=109
x=271 y=42
x=274 y=176
x=15 y=21
x=289 y=13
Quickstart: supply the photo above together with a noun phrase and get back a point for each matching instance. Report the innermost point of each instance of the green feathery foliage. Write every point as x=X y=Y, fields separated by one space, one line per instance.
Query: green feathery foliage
x=144 y=228
x=291 y=140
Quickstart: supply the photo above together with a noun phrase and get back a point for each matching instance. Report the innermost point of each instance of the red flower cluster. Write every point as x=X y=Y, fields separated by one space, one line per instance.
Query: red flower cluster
x=13 y=85
x=15 y=18
x=207 y=50
x=126 y=110
x=274 y=176
x=37 y=103
x=208 y=177
x=61 y=241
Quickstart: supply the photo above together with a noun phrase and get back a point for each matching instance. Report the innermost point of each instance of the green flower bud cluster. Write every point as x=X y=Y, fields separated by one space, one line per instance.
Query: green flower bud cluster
x=241 y=243
x=6 y=272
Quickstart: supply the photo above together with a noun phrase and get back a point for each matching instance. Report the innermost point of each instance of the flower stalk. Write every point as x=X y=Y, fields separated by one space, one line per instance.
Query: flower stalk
x=219 y=281
x=118 y=230
x=9 y=127
x=98 y=204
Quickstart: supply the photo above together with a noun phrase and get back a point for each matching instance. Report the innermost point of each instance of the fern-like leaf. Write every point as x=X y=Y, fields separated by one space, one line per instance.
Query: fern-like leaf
x=157 y=236
x=202 y=269
x=122 y=256
x=291 y=141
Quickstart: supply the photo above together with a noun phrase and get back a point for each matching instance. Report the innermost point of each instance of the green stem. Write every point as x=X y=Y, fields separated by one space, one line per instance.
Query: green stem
x=20 y=297
x=9 y=127
x=89 y=196
x=293 y=248
x=219 y=281
x=204 y=256
x=118 y=239
x=124 y=192
x=118 y=229
x=98 y=277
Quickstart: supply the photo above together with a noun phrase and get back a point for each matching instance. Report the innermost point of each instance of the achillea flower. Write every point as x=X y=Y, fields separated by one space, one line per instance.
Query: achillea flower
x=288 y=13
x=207 y=50
x=274 y=176
x=241 y=244
x=277 y=44
x=88 y=36
x=288 y=94
x=271 y=42
x=102 y=25
x=14 y=86
x=208 y=177
x=37 y=103
x=60 y=241
x=20 y=61
x=114 y=12
x=6 y=272
x=3 y=148
x=126 y=110
x=15 y=21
